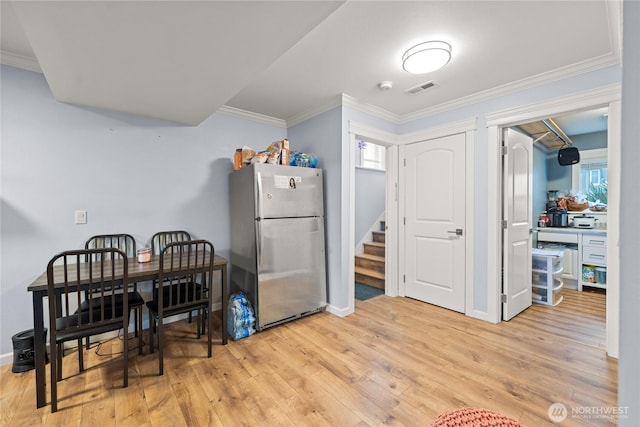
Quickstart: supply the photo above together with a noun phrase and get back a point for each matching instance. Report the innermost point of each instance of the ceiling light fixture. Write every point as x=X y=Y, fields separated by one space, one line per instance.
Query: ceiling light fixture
x=426 y=57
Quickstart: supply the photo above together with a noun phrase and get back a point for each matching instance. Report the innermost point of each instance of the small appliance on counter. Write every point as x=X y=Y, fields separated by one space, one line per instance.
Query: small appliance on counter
x=552 y=199
x=558 y=217
x=584 y=221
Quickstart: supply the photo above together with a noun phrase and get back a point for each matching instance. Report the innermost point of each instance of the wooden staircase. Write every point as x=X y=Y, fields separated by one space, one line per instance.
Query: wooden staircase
x=370 y=264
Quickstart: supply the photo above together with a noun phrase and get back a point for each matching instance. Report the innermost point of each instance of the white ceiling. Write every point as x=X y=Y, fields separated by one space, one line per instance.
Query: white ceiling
x=184 y=60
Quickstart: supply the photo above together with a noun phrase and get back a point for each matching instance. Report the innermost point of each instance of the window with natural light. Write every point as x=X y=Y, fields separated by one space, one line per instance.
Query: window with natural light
x=591 y=176
x=370 y=155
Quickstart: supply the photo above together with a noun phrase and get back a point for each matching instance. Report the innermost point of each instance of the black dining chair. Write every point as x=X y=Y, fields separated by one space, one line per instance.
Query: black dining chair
x=68 y=277
x=183 y=286
x=162 y=238
x=127 y=244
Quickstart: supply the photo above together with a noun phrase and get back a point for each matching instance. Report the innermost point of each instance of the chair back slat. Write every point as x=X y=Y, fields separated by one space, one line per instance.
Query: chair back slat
x=186 y=269
x=161 y=239
x=125 y=242
x=74 y=282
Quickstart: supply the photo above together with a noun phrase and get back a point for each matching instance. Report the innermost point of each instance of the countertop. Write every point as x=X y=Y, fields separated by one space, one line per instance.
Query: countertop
x=571 y=230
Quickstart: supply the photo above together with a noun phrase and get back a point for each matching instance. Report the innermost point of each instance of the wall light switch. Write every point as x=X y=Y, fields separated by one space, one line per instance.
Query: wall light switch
x=81 y=217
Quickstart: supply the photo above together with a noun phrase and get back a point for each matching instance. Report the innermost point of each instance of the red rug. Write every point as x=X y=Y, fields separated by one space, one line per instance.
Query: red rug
x=474 y=417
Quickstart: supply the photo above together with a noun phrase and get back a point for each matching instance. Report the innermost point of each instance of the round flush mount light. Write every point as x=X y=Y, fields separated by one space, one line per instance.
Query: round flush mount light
x=426 y=57
x=385 y=85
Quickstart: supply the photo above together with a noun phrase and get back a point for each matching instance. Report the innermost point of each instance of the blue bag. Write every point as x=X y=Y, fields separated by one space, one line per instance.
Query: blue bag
x=241 y=321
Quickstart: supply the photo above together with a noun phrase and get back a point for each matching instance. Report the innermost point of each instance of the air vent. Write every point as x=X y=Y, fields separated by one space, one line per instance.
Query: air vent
x=421 y=87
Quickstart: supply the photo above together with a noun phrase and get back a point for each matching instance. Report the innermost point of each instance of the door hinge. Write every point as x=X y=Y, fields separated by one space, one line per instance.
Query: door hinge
x=404 y=278
x=503 y=298
x=405 y=162
x=504 y=224
x=505 y=150
x=404 y=220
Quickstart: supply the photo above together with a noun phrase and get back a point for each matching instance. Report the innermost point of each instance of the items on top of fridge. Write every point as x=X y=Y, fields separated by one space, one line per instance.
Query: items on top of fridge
x=303 y=159
x=277 y=153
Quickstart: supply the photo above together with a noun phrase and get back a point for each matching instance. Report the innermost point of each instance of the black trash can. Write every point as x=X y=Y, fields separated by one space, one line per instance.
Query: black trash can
x=23 y=351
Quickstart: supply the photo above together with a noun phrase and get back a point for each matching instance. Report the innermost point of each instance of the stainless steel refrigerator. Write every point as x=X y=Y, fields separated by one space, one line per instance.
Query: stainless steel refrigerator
x=277 y=241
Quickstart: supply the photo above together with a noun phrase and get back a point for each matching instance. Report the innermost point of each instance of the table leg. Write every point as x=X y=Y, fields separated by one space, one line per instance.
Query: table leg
x=225 y=303
x=40 y=349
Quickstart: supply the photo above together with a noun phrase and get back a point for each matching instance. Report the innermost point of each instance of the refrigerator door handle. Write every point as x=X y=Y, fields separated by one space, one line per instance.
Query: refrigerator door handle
x=259 y=178
x=260 y=242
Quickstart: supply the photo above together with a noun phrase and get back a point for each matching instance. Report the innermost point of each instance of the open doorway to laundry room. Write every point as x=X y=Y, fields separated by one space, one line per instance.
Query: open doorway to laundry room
x=570 y=212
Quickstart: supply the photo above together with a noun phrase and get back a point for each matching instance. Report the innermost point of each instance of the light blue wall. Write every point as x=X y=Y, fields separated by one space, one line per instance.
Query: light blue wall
x=628 y=366
x=130 y=174
x=322 y=135
x=369 y=200
x=559 y=177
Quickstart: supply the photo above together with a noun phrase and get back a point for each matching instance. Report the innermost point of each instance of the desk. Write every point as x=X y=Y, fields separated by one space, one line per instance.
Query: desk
x=138 y=272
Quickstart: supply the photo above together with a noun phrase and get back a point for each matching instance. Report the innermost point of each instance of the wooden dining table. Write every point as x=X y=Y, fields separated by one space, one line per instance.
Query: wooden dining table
x=137 y=272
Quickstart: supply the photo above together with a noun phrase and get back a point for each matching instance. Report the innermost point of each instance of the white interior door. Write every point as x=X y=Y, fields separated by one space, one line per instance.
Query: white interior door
x=517 y=216
x=435 y=265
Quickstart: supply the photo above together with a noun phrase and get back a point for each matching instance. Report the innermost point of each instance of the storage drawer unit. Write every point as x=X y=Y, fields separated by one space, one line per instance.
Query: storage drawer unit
x=594 y=256
x=546 y=276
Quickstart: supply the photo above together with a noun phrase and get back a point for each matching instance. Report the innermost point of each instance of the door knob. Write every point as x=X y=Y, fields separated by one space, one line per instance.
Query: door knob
x=457 y=231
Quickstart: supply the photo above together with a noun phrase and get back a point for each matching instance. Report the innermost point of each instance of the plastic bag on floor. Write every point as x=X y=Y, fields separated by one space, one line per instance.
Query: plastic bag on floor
x=241 y=320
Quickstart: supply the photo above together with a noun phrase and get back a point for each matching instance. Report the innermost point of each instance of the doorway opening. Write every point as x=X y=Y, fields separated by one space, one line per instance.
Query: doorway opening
x=609 y=97
x=369 y=221
x=569 y=211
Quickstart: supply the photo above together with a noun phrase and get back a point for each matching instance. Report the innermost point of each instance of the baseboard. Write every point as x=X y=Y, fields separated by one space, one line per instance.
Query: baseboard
x=340 y=312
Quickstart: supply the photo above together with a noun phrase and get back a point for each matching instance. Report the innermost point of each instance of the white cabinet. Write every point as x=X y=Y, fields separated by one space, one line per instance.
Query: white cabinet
x=594 y=261
x=546 y=276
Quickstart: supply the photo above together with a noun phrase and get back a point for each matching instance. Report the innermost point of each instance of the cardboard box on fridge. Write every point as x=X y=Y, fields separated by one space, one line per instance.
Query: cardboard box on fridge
x=284 y=153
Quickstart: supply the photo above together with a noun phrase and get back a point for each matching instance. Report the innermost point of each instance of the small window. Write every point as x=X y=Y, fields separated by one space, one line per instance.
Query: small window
x=370 y=155
x=590 y=176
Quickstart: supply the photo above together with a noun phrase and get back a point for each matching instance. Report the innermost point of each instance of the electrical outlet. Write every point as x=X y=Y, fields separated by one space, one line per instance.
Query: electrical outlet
x=80 y=217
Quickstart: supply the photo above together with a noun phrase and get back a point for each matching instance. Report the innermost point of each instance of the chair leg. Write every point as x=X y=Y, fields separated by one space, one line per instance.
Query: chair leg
x=198 y=327
x=151 y=327
x=210 y=327
x=88 y=342
x=160 y=352
x=59 y=355
x=139 y=327
x=55 y=373
x=125 y=360
x=80 y=355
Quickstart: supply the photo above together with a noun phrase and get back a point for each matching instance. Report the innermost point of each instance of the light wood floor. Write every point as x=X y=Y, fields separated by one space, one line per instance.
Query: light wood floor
x=395 y=361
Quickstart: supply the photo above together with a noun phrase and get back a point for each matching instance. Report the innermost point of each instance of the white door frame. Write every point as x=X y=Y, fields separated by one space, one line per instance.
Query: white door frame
x=607 y=96
x=395 y=201
x=389 y=140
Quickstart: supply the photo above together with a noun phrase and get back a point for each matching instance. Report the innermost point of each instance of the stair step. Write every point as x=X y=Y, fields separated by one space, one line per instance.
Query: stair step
x=371 y=262
x=374 y=248
x=378 y=236
x=369 y=277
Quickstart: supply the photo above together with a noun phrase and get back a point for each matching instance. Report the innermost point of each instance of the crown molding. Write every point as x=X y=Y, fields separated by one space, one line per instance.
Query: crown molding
x=586 y=99
x=526 y=83
x=378 y=112
x=248 y=115
x=19 y=61
x=306 y=115
x=573 y=70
